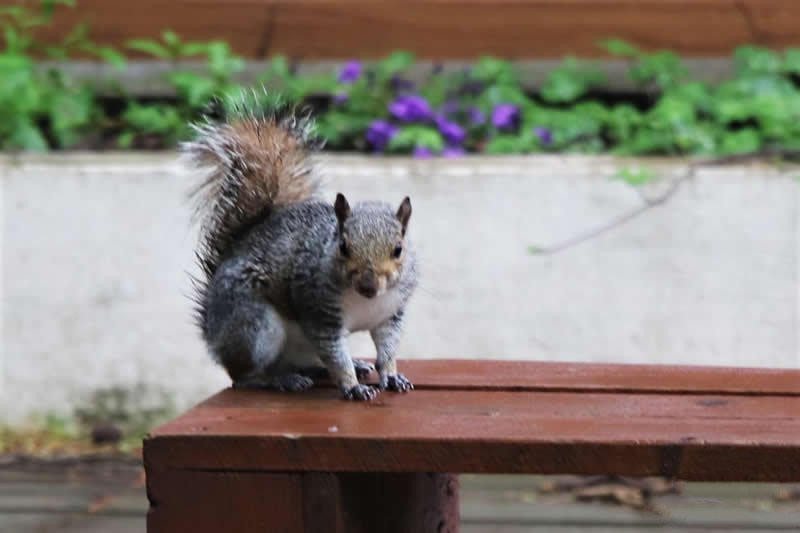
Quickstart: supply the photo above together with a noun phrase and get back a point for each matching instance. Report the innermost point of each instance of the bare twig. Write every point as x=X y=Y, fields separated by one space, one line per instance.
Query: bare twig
x=650 y=203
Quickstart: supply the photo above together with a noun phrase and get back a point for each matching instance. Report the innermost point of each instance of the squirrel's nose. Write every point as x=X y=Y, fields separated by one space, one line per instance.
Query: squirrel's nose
x=368 y=290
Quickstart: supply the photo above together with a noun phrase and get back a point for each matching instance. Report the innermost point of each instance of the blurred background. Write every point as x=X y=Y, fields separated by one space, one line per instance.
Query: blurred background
x=551 y=149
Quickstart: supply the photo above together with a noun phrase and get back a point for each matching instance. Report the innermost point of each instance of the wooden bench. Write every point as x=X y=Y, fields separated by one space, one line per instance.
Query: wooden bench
x=260 y=461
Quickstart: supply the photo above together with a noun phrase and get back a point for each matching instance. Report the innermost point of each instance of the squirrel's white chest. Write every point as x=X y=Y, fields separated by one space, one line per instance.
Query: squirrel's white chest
x=361 y=313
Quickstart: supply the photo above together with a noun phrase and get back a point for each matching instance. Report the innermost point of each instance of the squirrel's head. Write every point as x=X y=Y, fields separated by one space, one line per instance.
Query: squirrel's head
x=371 y=244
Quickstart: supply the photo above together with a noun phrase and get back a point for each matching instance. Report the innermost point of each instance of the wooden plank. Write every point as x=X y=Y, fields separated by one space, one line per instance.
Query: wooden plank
x=551 y=376
x=445 y=29
x=241 y=23
x=689 y=437
x=466 y=374
x=182 y=500
x=203 y=501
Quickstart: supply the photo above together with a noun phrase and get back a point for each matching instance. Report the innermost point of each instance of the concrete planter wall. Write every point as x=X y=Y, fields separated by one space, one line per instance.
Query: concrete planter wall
x=96 y=250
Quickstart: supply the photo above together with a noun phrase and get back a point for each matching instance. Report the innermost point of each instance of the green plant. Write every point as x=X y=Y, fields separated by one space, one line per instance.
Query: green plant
x=570 y=81
x=43 y=107
x=661 y=69
x=194 y=89
x=378 y=107
x=635 y=176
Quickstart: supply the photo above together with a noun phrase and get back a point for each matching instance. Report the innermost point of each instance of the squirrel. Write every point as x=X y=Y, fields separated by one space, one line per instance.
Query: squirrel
x=286 y=277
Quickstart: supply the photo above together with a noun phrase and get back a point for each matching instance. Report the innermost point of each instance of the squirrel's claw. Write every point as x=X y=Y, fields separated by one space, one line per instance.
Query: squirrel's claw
x=361 y=392
x=397 y=382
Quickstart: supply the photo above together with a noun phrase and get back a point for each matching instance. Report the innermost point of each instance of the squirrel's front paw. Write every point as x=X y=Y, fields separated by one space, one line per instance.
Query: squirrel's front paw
x=397 y=382
x=362 y=368
x=361 y=392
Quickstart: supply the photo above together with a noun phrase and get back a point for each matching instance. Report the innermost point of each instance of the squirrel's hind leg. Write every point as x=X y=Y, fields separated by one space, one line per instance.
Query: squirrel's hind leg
x=249 y=342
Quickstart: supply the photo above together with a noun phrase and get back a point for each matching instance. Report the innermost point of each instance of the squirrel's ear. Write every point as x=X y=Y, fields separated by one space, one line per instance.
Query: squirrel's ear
x=404 y=213
x=342 y=209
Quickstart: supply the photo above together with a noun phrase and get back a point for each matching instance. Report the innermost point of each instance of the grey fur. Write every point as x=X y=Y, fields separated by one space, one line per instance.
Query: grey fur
x=279 y=292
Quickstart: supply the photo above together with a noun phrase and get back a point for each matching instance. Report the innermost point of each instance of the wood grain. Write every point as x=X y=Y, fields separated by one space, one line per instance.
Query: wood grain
x=599 y=377
x=212 y=502
x=182 y=500
x=695 y=437
x=447 y=29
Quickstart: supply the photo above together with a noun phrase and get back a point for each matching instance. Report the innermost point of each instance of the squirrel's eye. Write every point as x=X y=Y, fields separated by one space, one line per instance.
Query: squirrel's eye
x=397 y=251
x=343 y=249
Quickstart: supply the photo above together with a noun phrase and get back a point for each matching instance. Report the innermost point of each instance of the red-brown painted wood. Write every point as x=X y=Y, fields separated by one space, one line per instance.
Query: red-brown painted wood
x=199 y=501
x=256 y=460
x=211 y=502
x=598 y=377
x=443 y=29
x=385 y=502
x=721 y=436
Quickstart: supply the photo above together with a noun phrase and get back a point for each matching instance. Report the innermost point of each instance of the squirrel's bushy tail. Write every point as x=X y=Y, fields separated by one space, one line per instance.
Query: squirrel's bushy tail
x=254 y=159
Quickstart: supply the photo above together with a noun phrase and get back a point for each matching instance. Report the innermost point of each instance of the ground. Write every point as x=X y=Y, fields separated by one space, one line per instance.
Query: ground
x=96 y=494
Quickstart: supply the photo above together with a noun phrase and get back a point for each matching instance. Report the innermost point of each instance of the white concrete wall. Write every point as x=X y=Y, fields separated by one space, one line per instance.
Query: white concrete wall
x=96 y=249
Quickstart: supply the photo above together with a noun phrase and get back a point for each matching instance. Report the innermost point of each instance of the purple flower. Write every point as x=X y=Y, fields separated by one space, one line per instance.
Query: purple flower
x=453 y=151
x=411 y=108
x=350 y=72
x=340 y=98
x=380 y=133
x=506 y=117
x=420 y=152
x=452 y=132
x=545 y=135
x=476 y=116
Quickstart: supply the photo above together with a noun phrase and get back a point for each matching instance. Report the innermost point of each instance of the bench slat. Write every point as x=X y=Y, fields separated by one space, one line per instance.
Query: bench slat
x=538 y=375
x=687 y=436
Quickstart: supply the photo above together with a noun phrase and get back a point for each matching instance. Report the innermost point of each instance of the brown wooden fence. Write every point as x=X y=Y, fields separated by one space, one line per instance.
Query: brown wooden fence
x=446 y=29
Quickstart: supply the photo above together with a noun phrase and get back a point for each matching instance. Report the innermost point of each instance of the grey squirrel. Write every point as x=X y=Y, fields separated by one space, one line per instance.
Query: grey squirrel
x=287 y=276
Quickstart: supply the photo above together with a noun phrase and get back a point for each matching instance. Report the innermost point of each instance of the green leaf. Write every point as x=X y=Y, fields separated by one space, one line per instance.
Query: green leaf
x=663 y=68
x=193 y=49
x=78 y=34
x=671 y=112
x=221 y=62
x=410 y=137
x=618 y=47
x=791 y=61
x=622 y=122
x=750 y=60
x=125 y=139
x=569 y=81
x=394 y=64
x=535 y=250
x=493 y=70
x=505 y=94
x=48 y=6
x=152 y=48
x=195 y=89
x=171 y=39
x=744 y=141
x=70 y=111
x=13 y=12
x=111 y=56
x=511 y=144
x=646 y=141
x=12 y=39
x=28 y=137
x=280 y=66
x=55 y=52
x=635 y=176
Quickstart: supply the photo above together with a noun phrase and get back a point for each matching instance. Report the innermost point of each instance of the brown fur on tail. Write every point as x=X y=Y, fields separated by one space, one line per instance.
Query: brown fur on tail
x=256 y=160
